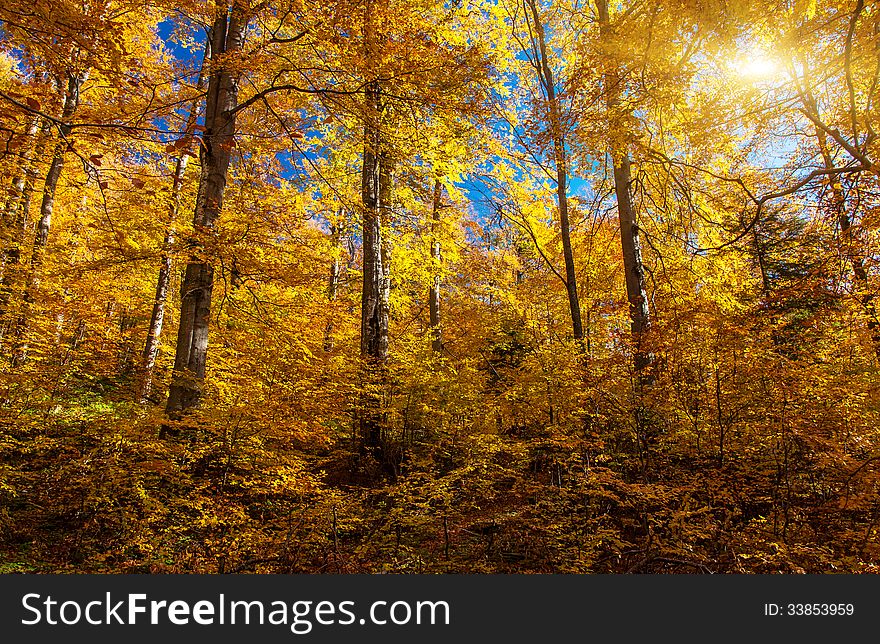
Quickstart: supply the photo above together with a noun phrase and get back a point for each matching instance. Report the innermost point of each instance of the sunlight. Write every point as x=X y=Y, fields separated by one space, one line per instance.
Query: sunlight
x=756 y=66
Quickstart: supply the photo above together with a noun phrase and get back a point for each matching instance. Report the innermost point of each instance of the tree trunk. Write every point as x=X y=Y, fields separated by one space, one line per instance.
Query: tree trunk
x=47 y=208
x=18 y=184
x=196 y=289
x=157 y=317
x=436 y=259
x=15 y=220
x=634 y=270
x=332 y=284
x=632 y=257
x=375 y=194
x=557 y=131
x=163 y=280
x=374 y=294
x=374 y=304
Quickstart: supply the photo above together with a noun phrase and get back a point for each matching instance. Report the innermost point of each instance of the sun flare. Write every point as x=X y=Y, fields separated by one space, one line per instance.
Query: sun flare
x=756 y=67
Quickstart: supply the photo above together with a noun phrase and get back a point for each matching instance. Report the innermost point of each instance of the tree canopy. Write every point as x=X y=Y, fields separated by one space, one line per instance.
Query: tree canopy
x=439 y=286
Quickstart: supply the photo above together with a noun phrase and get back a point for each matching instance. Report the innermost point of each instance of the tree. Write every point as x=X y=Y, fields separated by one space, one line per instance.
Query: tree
x=533 y=69
x=163 y=279
x=633 y=267
x=853 y=110
x=190 y=359
x=75 y=79
x=16 y=218
x=539 y=59
x=335 y=274
x=436 y=257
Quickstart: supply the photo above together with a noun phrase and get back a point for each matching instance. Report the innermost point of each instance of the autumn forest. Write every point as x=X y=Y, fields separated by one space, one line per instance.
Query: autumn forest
x=431 y=286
